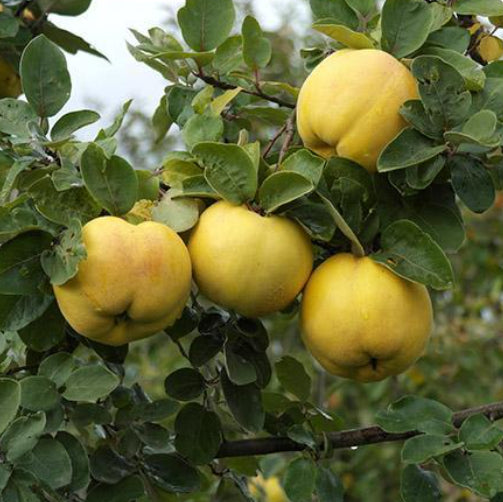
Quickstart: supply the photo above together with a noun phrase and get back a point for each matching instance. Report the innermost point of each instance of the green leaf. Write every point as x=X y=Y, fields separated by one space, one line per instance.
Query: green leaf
x=313 y=216
x=16 y=117
x=366 y=8
x=180 y=214
x=184 y=384
x=416 y=413
x=299 y=480
x=57 y=367
x=198 y=433
x=20 y=270
x=306 y=163
x=109 y=466
x=172 y=474
x=204 y=348
x=66 y=206
x=342 y=225
x=245 y=403
x=49 y=462
x=241 y=371
x=90 y=383
x=65 y=7
x=85 y=414
x=413 y=254
x=161 y=121
x=201 y=128
x=78 y=458
x=441 y=15
x=479 y=433
x=71 y=122
x=176 y=170
x=129 y=489
x=405 y=26
x=414 y=113
x=256 y=48
x=472 y=183
x=480 y=471
x=44 y=75
x=220 y=102
x=450 y=37
x=418 y=485
x=422 y=175
x=283 y=187
x=228 y=170
x=479 y=129
x=344 y=35
x=61 y=262
x=9 y=25
x=206 y=24
x=470 y=70
x=338 y=11
x=328 y=486
x=491 y=97
x=442 y=90
x=419 y=449
x=10 y=399
x=16 y=312
x=38 y=393
x=111 y=130
x=479 y=7
x=22 y=435
x=15 y=170
x=148 y=184
x=229 y=55
x=68 y=41
x=408 y=149
x=293 y=377
x=112 y=182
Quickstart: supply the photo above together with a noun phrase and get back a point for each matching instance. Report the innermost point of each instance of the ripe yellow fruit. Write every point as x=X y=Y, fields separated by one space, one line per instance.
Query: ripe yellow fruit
x=361 y=321
x=490 y=48
x=10 y=82
x=349 y=104
x=134 y=282
x=267 y=490
x=252 y=264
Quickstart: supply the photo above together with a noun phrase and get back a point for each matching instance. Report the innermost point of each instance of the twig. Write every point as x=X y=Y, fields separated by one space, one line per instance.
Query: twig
x=224 y=85
x=290 y=131
x=273 y=141
x=347 y=438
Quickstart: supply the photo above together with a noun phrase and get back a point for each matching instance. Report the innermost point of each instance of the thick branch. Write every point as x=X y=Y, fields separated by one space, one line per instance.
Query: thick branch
x=344 y=439
x=224 y=85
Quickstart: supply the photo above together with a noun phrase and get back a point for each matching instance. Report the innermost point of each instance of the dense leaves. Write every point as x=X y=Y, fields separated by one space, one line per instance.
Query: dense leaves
x=85 y=421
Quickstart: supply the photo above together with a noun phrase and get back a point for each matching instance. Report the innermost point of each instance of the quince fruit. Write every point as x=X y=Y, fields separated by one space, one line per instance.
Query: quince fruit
x=490 y=48
x=349 y=105
x=134 y=282
x=267 y=490
x=10 y=82
x=362 y=321
x=252 y=264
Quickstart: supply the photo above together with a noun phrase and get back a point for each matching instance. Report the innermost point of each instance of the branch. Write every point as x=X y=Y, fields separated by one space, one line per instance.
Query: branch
x=347 y=438
x=290 y=131
x=224 y=85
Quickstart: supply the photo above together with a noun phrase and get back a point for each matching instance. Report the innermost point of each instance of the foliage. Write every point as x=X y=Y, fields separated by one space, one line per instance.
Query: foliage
x=75 y=424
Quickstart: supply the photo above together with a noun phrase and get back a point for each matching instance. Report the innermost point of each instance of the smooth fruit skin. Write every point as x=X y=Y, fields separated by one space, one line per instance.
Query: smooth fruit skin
x=134 y=282
x=361 y=321
x=252 y=264
x=270 y=488
x=348 y=106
